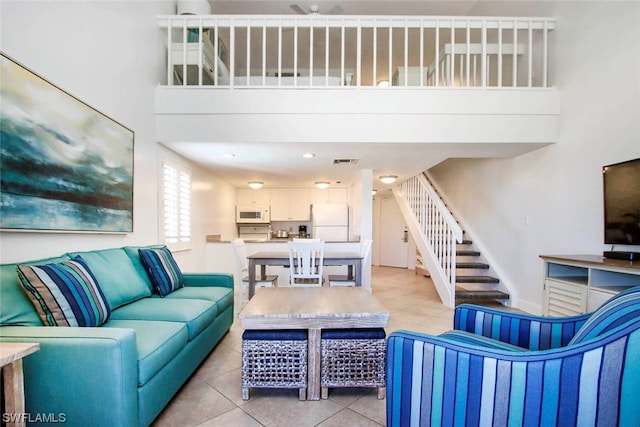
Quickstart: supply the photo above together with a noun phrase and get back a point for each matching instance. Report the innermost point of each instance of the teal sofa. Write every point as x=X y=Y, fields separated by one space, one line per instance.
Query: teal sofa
x=124 y=372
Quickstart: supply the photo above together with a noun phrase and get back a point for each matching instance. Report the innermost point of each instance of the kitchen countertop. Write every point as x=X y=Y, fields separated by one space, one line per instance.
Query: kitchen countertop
x=279 y=240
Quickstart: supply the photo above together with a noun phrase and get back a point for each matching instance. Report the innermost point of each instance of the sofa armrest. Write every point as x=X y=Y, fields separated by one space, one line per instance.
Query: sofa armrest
x=208 y=279
x=88 y=376
x=523 y=330
x=440 y=382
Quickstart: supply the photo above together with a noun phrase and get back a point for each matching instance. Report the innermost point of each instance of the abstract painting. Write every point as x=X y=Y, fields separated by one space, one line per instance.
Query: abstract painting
x=64 y=166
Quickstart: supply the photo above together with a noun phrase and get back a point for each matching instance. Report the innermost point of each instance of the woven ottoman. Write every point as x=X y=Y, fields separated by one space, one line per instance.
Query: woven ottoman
x=353 y=358
x=274 y=359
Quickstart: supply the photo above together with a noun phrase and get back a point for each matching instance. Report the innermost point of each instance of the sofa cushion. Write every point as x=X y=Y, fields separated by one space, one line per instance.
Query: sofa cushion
x=162 y=269
x=134 y=255
x=222 y=297
x=157 y=343
x=17 y=308
x=65 y=294
x=195 y=314
x=120 y=281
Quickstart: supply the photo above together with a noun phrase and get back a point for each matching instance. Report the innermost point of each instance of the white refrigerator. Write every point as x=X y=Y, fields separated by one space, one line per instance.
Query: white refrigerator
x=330 y=222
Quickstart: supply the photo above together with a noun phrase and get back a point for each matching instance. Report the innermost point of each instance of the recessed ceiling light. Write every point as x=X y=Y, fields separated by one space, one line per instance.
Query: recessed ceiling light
x=255 y=184
x=322 y=185
x=373 y=192
x=388 y=179
x=308 y=155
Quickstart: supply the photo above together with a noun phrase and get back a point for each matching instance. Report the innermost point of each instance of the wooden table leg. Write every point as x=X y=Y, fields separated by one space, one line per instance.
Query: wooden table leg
x=313 y=364
x=358 y=266
x=14 y=391
x=252 y=277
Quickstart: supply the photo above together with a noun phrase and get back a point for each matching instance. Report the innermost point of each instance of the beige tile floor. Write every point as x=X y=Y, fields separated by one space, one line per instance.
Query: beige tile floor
x=212 y=397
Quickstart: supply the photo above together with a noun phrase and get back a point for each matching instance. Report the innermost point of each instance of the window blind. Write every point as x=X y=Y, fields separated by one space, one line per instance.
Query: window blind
x=176 y=197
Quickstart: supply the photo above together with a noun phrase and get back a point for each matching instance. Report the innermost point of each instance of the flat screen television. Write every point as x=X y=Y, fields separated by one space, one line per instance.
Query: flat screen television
x=621 y=183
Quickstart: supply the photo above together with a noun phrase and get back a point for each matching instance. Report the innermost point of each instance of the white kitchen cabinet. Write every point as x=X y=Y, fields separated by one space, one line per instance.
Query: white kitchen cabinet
x=290 y=204
x=575 y=284
x=249 y=196
x=330 y=195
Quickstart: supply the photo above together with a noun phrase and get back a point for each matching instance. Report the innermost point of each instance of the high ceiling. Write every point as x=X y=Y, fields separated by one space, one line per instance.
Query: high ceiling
x=282 y=165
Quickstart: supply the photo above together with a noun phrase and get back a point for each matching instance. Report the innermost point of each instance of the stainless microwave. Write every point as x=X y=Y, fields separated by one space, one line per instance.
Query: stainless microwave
x=252 y=214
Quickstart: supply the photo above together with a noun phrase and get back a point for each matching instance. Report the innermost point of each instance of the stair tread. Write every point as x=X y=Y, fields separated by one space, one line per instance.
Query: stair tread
x=467 y=253
x=489 y=294
x=472 y=265
x=476 y=279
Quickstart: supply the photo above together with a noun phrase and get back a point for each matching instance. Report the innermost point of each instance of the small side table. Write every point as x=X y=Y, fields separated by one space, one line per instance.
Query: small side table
x=11 y=354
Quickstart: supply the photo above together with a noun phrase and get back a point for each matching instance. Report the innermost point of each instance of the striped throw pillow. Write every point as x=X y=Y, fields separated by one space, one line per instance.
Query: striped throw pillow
x=65 y=293
x=162 y=269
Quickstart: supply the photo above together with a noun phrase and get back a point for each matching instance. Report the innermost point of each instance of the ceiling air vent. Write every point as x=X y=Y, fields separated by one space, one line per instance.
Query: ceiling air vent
x=345 y=161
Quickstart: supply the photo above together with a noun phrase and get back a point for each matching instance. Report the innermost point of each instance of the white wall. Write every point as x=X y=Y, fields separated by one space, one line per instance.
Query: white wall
x=107 y=53
x=550 y=201
x=212 y=203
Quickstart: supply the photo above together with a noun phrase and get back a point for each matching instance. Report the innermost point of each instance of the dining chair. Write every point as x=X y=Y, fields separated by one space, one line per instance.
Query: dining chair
x=306 y=260
x=242 y=271
x=345 y=280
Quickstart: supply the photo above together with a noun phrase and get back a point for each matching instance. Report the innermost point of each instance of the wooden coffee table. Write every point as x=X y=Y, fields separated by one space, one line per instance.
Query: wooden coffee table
x=313 y=309
x=11 y=355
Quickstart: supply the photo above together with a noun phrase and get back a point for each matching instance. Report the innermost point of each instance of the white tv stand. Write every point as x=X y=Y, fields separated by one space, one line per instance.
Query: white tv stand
x=576 y=284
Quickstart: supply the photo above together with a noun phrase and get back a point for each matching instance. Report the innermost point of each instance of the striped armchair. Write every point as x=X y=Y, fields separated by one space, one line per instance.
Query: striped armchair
x=503 y=368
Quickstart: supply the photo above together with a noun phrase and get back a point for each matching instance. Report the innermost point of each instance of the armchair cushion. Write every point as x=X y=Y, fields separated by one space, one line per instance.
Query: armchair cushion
x=464 y=337
x=65 y=293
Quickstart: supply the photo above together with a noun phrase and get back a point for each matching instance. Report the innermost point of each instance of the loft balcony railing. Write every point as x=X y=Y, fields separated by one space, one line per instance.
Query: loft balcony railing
x=238 y=51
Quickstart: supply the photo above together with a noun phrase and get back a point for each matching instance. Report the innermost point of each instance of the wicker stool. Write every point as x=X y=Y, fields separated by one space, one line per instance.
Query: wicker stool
x=274 y=359
x=353 y=358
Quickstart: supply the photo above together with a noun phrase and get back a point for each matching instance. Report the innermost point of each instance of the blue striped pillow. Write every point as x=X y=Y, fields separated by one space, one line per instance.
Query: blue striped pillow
x=65 y=293
x=162 y=269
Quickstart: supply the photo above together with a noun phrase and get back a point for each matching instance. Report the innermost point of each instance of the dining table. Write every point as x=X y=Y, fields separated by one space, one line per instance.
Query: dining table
x=352 y=259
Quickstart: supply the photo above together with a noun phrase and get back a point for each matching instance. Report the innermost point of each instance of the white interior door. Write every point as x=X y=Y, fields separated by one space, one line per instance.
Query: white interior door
x=394 y=241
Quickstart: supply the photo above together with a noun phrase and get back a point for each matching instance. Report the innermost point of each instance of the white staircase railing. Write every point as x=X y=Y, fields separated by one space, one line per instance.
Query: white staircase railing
x=434 y=230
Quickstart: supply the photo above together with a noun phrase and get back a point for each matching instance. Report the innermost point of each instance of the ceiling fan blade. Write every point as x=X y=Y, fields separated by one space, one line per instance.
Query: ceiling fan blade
x=335 y=10
x=297 y=9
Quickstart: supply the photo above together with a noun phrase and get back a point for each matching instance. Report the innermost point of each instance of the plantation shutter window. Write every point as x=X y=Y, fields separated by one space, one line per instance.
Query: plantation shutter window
x=176 y=206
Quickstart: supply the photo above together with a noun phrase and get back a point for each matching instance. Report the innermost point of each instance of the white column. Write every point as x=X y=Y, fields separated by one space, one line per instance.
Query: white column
x=366 y=218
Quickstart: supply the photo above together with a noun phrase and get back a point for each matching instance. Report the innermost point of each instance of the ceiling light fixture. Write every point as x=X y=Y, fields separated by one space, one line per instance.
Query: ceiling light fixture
x=388 y=179
x=308 y=155
x=322 y=185
x=255 y=184
x=193 y=7
x=383 y=83
x=373 y=192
